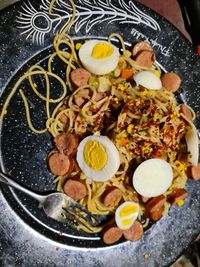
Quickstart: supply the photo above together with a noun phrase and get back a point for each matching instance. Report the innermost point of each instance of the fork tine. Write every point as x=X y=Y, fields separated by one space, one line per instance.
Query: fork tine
x=81 y=213
x=69 y=219
x=74 y=219
x=93 y=220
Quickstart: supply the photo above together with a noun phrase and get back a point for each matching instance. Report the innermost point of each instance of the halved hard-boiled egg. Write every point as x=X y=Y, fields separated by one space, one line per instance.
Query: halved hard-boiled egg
x=99 y=57
x=192 y=142
x=126 y=214
x=152 y=177
x=98 y=158
x=148 y=80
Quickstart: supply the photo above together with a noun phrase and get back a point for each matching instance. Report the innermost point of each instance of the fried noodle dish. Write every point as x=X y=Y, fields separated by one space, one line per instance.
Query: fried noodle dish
x=123 y=146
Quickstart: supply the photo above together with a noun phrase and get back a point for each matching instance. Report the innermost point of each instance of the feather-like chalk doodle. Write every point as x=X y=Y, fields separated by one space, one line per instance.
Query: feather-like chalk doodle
x=89 y=13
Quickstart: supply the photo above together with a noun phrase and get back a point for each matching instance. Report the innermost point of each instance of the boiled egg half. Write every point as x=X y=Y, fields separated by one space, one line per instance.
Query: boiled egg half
x=192 y=142
x=152 y=177
x=148 y=80
x=126 y=214
x=98 y=158
x=99 y=57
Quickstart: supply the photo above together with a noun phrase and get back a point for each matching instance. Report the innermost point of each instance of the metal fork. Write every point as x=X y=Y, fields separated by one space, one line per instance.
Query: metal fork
x=60 y=207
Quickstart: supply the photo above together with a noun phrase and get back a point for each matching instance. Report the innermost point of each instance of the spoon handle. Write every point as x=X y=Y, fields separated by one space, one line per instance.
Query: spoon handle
x=4 y=179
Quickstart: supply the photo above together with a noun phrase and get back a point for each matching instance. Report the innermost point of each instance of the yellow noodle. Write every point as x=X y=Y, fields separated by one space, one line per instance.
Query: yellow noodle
x=116 y=35
x=51 y=6
x=56 y=110
x=101 y=209
x=33 y=72
x=84 y=110
x=146 y=223
x=65 y=56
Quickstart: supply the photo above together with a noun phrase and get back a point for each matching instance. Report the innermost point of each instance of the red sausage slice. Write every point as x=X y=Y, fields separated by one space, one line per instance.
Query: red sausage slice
x=112 y=234
x=112 y=197
x=66 y=143
x=63 y=118
x=141 y=46
x=80 y=77
x=75 y=189
x=186 y=112
x=135 y=232
x=83 y=92
x=59 y=164
x=79 y=100
x=71 y=166
x=155 y=203
x=99 y=96
x=145 y=59
x=195 y=172
x=176 y=195
x=171 y=81
x=145 y=199
x=156 y=214
x=81 y=96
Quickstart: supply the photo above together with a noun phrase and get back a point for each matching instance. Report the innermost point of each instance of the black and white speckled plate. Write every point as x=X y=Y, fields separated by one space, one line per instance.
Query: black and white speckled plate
x=27 y=236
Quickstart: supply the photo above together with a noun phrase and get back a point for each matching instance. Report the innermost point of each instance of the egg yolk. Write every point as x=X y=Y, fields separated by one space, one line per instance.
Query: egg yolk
x=127 y=221
x=95 y=155
x=102 y=50
x=128 y=210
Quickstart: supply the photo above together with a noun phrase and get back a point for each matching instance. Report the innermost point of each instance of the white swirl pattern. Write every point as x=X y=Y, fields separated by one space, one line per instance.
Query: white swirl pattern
x=89 y=13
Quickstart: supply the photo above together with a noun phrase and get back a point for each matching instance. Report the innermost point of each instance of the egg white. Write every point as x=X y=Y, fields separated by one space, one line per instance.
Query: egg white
x=192 y=142
x=152 y=177
x=98 y=66
x=148 y=80
x=112 y=164
x=133 y=216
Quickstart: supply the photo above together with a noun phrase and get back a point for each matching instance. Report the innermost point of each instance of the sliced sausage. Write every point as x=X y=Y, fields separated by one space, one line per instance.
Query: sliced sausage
x=176 y=195
x=155 y=203
x=112 y=234
x=156 y=214
x=75 y=189
x=99 y=96
x=145 y=59
x=59 y=164
x=77 y=169
x=128 y=180
x=186 y=112
x=80 y=77
x=66 y=143
x=171 y=81
x=141 y=46
x=135 y=232
x=195 y=172
x=81 y=96
x=84 y=92
x=71 y=166
x=145 y=199
x=63 y=118
x=112 y=197
x=79 y=100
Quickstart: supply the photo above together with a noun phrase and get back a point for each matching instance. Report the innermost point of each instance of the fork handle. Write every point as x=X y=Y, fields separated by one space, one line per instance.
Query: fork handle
x=4 y=179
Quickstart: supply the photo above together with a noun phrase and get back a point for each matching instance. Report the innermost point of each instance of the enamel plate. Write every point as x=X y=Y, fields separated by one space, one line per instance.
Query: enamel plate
x=27 y=237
